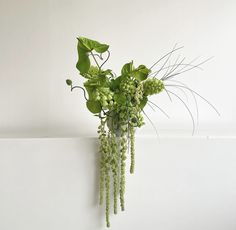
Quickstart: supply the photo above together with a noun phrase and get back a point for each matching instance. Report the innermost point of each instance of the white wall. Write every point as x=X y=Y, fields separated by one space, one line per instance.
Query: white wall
x=52 y=184
x=38 y=52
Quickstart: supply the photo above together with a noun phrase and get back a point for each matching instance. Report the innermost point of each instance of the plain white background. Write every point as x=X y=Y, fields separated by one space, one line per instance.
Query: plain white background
x=181 y=182
x=38 y=52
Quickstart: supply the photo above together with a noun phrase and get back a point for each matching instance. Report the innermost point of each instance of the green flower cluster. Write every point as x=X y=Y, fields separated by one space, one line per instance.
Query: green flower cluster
x=139 y=94
x=118 y=102
x=136 y=119
x=152 y=86
x=127 y=86
x=104 y=96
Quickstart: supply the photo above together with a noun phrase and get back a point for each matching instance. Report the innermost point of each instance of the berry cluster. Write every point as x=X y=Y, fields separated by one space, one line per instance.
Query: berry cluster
x=152 y=86
x=105 y=96
x=128 y=86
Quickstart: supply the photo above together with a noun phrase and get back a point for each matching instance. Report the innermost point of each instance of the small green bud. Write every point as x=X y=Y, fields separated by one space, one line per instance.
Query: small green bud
x=68 y=82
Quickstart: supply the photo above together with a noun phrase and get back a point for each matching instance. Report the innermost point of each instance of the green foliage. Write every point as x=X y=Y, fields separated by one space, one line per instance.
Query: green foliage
x=127 y=68
x=141 y=73
x=118 y=102
x=83 y=63
x=90 y=45
x=85 y=47
x=120 y=99
x=94 y=106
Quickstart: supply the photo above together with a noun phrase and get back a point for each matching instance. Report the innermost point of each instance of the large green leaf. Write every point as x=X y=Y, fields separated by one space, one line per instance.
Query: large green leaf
x=94 y=106
x=86 y=44
x=89 y=45
x=141 y=73
x=115 y=83
x=83 y=63
x=84 y=47
x=127 y=68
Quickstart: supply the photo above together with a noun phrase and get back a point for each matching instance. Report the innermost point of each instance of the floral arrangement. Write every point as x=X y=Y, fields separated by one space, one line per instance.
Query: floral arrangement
x=119 y=101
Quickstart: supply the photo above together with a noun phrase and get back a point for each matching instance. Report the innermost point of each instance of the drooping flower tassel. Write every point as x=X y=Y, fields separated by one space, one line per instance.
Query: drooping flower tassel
x=132 y=151
x=105 y=162
x=107 y=177
x=107 y=184
x=115 y=168
x=102 y=150
x=122 y=166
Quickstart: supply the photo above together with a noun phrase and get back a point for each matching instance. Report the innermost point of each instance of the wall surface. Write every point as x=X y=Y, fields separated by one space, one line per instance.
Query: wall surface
x=38 y=52
x=179 y=184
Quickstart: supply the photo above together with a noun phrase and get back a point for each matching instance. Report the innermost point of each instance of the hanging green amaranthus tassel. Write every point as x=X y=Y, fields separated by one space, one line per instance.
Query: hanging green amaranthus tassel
x=115 y=170
x=107 y=180
x=102 y=150
x=132 y=139
x=123 y=146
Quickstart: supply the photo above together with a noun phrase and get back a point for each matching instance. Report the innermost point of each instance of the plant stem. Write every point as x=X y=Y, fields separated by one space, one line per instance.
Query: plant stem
x=79 y=87
x=95 y=61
